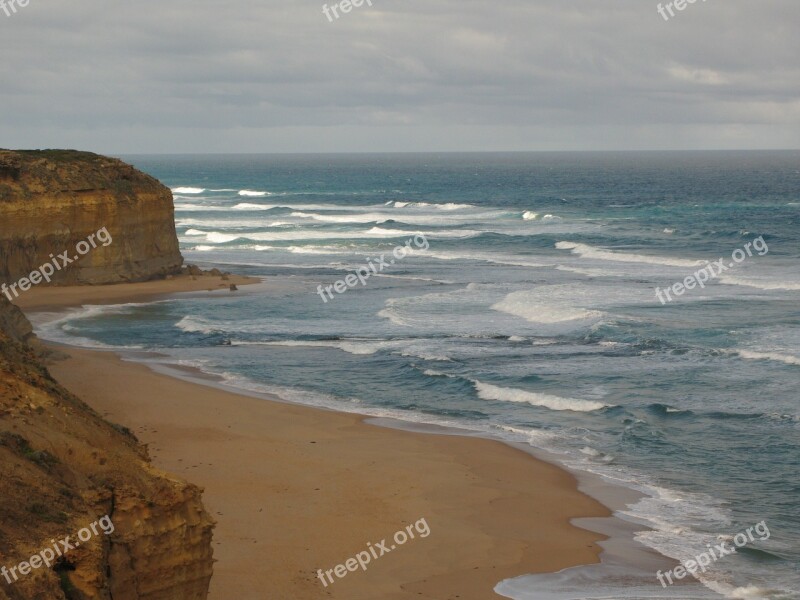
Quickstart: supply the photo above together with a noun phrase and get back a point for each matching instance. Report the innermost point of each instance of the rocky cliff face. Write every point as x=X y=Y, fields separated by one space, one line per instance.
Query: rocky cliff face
x=64 y=468
x=53 y=199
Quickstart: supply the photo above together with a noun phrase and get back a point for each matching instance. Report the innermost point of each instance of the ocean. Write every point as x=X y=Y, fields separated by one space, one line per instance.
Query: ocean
x=532 y=316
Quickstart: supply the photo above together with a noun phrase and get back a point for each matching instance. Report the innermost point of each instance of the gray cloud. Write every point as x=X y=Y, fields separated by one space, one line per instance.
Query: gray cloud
x=275 y=75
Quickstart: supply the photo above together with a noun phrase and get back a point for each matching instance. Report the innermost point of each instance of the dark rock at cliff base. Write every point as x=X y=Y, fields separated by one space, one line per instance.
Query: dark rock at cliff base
x=51 y=200
x=13 y=323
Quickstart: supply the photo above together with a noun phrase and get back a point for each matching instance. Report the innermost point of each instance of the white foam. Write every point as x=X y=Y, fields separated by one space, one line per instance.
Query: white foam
x=391 y=313
x=188 y=207
x=587 y=272
x=463 y=311
x=489 y=257
x=751 y=591
x=56 y=326
x=220 y=221
x=251 y=206
x=432 y=373
x=316 y=250
x=354 y=218
x=760 y=284
x=776 y=356
x=438 y=234
x=540 y=438
x=359 y=347
x=606 y=581
x=454 y=206
x=445 y=206
x=195 y=232
x=220 y=238
x=492 y=392
x=530 y=306
x=254 y=193
x=411 y=219
x=529 y=215
x=192 y=324
x=586 y=251
x=188 y=190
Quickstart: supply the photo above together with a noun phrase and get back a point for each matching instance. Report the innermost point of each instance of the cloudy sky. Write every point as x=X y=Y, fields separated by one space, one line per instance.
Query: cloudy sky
x=122 y=76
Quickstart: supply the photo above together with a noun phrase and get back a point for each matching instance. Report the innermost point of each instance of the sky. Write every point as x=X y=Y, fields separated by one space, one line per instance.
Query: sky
x=204 y=76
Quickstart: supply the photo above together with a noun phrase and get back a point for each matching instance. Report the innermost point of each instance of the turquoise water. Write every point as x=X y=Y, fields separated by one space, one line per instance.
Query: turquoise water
x=531 y=316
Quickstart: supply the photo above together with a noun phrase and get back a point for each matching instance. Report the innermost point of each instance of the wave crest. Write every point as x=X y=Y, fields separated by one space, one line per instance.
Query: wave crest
x=188 y=190
x=587 y=251
x=487 y=391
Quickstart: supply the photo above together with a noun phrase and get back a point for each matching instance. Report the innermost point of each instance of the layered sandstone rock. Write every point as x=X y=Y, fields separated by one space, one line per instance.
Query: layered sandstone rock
x=63 y=468
x=53 y=199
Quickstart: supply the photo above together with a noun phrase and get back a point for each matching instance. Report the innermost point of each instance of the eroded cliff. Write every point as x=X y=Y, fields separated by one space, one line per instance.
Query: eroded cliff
x=51 y=200
x=63 y=468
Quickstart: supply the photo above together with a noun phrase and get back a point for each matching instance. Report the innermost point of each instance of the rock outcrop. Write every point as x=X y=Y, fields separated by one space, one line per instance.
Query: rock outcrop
x=14 y=324
x=51 y=200
x=63 y=468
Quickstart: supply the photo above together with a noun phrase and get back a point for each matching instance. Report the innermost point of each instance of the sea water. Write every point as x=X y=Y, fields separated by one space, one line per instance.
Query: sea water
x=531 y=317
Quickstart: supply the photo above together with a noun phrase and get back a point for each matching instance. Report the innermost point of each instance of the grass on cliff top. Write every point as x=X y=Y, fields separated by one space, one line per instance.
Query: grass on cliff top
x=58 y=155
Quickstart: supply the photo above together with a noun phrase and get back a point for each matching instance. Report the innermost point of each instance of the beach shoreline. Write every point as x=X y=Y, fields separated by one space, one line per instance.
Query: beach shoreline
x=62 y=298
x=494 y=511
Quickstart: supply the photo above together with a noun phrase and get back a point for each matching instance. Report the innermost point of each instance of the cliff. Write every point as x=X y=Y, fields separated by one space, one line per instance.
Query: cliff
x=63 y=467
x=51 y=200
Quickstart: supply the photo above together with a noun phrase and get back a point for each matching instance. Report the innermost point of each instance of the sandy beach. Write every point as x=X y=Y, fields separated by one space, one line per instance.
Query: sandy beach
x=296 y=489
x=61 y=297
